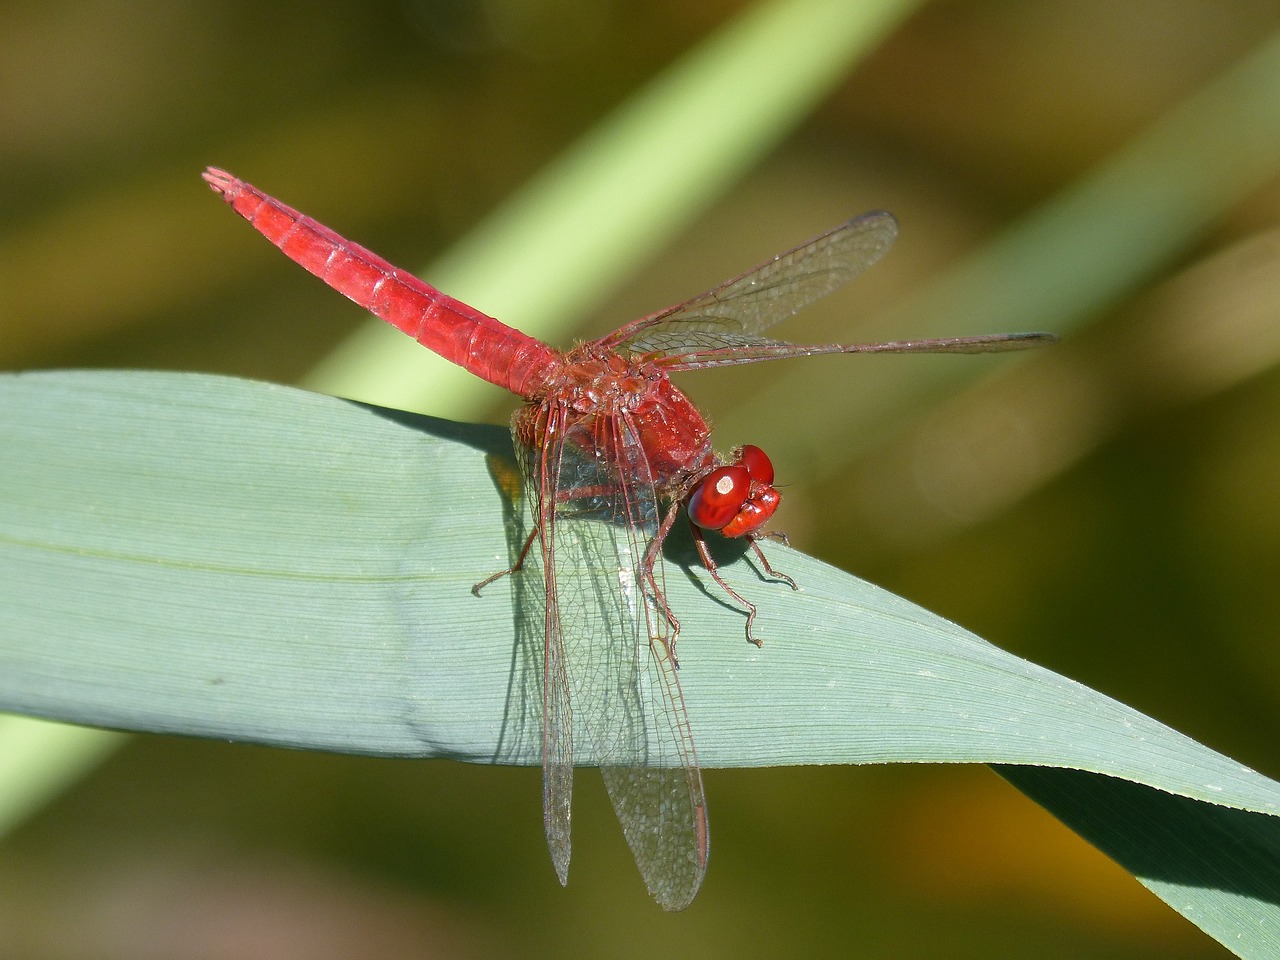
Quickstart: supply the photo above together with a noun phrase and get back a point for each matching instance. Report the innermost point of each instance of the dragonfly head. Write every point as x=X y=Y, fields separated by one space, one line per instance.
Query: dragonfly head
x=738 y=498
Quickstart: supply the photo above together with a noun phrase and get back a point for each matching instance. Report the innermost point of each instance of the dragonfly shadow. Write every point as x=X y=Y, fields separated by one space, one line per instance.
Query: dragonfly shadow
x=486 y=438
x=520 y=733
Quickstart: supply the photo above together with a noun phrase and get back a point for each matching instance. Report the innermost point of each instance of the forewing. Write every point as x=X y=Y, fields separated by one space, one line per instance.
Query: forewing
x=773 y=291
x=698 y=351
x=539 y=469
x=612 y=649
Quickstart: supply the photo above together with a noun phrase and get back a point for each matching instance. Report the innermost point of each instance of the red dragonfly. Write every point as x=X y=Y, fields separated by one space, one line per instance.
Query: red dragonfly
x=610 y=451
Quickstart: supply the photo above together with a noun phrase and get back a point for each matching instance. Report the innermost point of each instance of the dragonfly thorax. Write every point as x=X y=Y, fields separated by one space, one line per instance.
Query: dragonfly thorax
x=627 y=410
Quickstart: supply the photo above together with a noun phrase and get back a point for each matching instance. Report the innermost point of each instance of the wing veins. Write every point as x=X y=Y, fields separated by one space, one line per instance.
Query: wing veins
x=775 y=289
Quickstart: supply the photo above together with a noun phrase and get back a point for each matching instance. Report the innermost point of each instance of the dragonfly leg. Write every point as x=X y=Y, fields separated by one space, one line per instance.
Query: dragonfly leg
x=648 y=564
x=709 y=562
x=665 y=611
x=524 y=552
x=764 y=561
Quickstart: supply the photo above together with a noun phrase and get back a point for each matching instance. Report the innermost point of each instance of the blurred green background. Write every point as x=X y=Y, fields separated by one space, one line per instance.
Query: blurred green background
x=1107 y=509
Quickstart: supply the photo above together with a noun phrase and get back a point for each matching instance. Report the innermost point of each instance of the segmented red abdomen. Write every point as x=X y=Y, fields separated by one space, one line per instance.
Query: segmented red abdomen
x=487 y=347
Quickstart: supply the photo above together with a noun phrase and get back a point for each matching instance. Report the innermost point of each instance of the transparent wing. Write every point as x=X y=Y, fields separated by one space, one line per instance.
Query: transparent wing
x=609 y=679
x=771 y=292
x=537 y=468
x=697 y=352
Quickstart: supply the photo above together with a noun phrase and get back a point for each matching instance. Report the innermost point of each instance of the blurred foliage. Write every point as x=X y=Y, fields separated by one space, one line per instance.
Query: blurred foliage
x=1140 y=560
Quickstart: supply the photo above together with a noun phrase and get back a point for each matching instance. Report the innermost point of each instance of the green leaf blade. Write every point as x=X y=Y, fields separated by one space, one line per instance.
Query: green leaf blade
x=224 y=558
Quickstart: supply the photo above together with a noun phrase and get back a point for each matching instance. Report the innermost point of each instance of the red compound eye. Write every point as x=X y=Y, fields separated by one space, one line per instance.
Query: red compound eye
x=757 y=463
x=719 y=497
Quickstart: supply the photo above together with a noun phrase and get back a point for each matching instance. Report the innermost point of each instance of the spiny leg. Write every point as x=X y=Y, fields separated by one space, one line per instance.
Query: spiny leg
x=524 y=553
x=648 y=563
x=700 y=541
x=764 y=561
